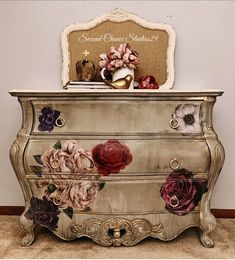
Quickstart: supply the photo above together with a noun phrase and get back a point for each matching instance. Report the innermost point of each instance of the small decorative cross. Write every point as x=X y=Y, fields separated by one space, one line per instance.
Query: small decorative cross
x=86 y=53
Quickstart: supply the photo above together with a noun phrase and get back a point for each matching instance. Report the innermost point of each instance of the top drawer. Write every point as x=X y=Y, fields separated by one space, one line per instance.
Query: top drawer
x=116 y=117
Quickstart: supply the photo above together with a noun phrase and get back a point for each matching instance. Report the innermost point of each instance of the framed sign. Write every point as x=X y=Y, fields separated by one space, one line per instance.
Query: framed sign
x=154 y=43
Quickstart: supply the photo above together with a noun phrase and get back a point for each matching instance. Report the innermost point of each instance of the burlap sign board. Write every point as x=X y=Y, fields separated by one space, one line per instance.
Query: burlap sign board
x=155 y=44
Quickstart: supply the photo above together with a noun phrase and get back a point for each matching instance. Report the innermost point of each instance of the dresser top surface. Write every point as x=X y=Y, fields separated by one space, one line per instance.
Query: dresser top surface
x=114 y=92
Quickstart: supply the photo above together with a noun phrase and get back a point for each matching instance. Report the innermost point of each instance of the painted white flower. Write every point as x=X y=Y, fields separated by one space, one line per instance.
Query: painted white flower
x=188 y=117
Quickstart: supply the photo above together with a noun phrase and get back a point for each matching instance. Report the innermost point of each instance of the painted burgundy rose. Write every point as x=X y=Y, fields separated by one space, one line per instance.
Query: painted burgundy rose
x=79 y=194
x=47 y=119
x=43 y=212
x=111 y=157
x=181 y=192
x=148 y=82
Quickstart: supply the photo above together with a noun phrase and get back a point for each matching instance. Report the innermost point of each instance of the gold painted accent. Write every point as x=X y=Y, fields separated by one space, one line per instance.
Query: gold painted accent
x=174 y=123
x=122 y=83
x=174 y=164
x=116 y=231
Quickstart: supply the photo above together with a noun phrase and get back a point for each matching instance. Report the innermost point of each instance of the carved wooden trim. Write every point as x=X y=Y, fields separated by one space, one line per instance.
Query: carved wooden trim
x=116 y=231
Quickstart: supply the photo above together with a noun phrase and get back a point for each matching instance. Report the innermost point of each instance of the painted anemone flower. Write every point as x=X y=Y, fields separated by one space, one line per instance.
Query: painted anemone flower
x=47 y=119
x=188 y=119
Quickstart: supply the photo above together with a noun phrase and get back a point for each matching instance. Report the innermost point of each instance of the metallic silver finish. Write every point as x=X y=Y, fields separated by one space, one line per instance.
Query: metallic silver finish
x=130 y=207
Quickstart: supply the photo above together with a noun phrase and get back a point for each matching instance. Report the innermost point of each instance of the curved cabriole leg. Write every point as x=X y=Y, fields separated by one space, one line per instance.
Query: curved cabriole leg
x=16 y=155
x=207 y=220
x=28 y=226
x=208 y=223
x=206 y=240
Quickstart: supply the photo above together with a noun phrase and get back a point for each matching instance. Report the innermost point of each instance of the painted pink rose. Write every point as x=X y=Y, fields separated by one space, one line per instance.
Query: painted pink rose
x=111 y=157
x=148 y=82
x=59 y=164
x=181 y=192
x=79 y=194
x=57 y=161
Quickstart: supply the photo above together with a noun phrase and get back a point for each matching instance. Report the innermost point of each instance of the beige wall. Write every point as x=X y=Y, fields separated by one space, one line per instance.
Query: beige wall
x=30 y=57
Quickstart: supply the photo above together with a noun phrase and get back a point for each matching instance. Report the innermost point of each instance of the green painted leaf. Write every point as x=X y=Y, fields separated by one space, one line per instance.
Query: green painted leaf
x=101 y=185
x=57 y=145
x=37 y=170
x=37 y=158
x=69 y=212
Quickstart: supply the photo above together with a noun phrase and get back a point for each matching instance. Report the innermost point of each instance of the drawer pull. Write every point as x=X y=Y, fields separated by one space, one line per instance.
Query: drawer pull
x=116 y=233
x=174 y=164
x=174 y=123
x=55 y=163
x=174 y=201
x=60 y=121
x=57 y=200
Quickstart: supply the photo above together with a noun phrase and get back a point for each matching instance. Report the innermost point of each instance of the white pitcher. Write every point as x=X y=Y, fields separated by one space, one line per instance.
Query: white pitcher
x=120 y=73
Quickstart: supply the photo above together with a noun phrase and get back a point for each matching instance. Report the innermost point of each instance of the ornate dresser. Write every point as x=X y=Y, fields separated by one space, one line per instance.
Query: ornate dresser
x=117 y=166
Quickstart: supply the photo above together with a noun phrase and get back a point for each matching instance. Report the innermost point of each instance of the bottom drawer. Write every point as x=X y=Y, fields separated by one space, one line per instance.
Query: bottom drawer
x=178 y=193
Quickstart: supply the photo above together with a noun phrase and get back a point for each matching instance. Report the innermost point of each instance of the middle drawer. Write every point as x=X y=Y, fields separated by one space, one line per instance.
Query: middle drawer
x=140 y=156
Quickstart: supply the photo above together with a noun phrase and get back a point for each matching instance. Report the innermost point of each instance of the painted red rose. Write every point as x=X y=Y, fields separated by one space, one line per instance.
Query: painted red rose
x=181 y=192
x=148 y=82
x=111 y=157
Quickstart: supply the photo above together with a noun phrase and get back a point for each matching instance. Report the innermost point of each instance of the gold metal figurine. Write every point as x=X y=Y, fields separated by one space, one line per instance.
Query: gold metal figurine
x=122 y=83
